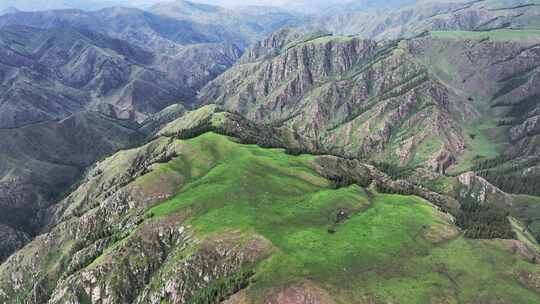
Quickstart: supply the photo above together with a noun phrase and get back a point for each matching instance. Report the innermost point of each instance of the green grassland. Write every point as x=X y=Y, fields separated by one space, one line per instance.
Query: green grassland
x=481 y=143
x=391 y=249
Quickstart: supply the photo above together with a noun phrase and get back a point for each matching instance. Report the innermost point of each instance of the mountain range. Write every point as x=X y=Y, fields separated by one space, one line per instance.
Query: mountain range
x=103 y=73
x=366 y=152
x=88 y=5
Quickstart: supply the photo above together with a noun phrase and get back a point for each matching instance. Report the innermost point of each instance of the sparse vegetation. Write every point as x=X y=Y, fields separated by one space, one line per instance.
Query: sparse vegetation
x=220 y=290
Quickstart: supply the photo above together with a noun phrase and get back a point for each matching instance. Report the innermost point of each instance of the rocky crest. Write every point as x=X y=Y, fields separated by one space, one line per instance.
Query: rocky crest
x=338 y=91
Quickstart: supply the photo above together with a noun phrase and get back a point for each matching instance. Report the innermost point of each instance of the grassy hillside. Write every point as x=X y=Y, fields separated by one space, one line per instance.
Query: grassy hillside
x=387 y=248
x=500 y=137
x=213 y=219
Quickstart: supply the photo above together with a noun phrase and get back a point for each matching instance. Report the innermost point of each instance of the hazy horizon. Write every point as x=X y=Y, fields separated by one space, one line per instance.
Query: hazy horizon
x=31 y=5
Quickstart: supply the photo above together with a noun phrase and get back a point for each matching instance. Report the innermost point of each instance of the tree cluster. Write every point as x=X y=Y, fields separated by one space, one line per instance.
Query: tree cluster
x=219 y=290
x=341 y=181
x=401 y=190
x=514 y=183
x=394 y=171
x=484 y=221
x=488 y=163
x=198 y=130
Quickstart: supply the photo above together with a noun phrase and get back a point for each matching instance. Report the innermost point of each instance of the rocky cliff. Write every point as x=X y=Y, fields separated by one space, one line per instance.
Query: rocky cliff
x=432 y=100
x=351 y=96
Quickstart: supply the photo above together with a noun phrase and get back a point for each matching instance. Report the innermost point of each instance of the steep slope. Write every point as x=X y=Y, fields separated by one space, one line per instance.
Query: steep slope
x=49 y=74
x=400 y=102
x=40 y=161
x=207 y=219
x=351 y=96
x=421 y=16
x=189 y=53
x=248 y=23
x=503 y=141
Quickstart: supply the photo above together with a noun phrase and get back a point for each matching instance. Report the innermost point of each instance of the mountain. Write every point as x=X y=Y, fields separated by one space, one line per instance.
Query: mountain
x=197 y=44
x=435 y=101
x=350 y=96
x=9 y=10
x=103 y=73
x=29 y=5
x=49 y=74
x=312 y=7
x=198 y=217
x=411 y=18
x=153 y=157
x=42 y=160
x=249 y=23
x=503 y=85
x=68 y=97
x=53 y=82
x=85 y=71
x=174 y=43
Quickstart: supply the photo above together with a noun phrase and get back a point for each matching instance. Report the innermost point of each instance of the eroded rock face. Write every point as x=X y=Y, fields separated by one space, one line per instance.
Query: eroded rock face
x=100 y=212
x=529 y=127
x=217 y=258
x=348 y=95
x=480 y=190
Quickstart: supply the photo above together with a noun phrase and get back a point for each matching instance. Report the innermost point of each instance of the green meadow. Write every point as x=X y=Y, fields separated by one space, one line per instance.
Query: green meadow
x=391 y=249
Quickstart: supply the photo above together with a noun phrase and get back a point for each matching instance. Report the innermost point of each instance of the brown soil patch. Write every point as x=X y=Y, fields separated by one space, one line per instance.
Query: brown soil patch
x=239 y=298
x=303 y=293
x=251 y=247
x=154 y=187
x=529 y=279
x=438 y=233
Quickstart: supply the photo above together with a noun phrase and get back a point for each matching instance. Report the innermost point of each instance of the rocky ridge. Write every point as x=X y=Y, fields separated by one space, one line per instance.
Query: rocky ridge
x=417 y=17
x=338 y=92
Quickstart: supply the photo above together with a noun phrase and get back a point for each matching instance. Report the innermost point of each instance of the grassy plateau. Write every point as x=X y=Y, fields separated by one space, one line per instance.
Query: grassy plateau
x=389 y=249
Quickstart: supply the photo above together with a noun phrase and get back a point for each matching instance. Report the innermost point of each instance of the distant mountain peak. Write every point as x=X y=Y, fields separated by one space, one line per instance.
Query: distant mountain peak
x=9 y=10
